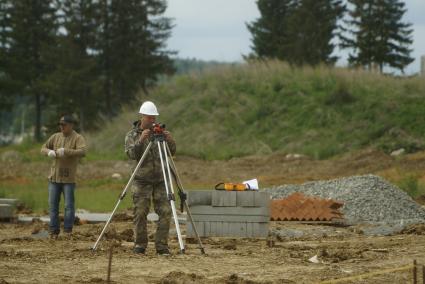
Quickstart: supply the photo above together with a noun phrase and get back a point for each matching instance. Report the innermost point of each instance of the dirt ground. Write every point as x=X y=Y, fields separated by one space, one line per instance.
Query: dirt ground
x=342 y=252
x=270 y=170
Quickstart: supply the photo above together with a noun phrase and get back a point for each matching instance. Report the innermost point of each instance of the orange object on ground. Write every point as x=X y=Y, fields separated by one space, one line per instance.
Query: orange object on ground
x=298 y=207
x=232 y=186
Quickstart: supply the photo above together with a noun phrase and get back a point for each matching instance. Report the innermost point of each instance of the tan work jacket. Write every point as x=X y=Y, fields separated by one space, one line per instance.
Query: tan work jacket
x=64 y=168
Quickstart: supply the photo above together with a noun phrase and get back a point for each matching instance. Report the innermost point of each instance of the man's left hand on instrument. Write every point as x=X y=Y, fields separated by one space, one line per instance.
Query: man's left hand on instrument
x=168 y=136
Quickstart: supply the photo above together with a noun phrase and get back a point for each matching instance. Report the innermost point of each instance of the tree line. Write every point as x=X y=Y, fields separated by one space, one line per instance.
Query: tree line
x=306 y=32
x=91 y=57
x=82 y=57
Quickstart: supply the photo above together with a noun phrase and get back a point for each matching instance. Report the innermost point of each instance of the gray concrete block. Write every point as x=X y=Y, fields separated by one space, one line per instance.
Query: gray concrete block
x=225 y=229
x=229 y=213
x=231 y=218
x=261 y=199
x=245 y=199
x=238 y=229
x=221 y=198
x=259 y=229
x=229 y=229
x=239 y=211
x=219 y=228
x=6 y=211
x=249 y=230
x=9 y=201
x=199 y=228
x=207 y=227
x=213 y=228
x=199 y=197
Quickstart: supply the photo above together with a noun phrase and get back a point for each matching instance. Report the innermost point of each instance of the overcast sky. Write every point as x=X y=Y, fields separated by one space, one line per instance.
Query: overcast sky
x=215 y=29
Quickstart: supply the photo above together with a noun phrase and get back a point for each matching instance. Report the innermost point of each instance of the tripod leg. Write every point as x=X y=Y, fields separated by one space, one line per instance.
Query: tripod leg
x=170 y=192
x=122 y=195
x=164 y=145
x=180 y=187
x=189 y=214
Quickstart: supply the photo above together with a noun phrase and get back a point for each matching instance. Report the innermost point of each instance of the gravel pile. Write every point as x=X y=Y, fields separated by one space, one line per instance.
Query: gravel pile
x=366 y=199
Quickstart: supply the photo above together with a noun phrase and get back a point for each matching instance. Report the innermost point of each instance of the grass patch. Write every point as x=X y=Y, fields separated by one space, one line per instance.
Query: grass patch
x=267 y=107
x=92 y=195
x=411 y=185
x=95 y=195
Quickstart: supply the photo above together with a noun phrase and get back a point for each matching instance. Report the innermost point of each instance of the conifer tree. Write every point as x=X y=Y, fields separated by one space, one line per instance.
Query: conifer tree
x=6 y=88
x=33 y=35
x=311 y=29
x=377 y=35
x=74 y=80
x=132 y=47
x=297 y=31
x=270 y=33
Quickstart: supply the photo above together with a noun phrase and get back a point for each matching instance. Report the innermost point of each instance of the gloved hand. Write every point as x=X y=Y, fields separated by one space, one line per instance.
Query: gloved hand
x=60 y=152
x=145 y=135
x=51 y=154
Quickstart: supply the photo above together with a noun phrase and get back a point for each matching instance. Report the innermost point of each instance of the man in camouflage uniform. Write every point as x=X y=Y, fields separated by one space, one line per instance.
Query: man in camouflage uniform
x=149 y=181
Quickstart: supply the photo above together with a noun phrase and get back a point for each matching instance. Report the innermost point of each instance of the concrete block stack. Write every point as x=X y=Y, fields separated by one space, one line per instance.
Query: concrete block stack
x=7 y=209
x=229 y=213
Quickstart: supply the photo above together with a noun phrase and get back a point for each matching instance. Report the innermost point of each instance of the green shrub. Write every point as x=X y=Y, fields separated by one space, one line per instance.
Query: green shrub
x=410 y=185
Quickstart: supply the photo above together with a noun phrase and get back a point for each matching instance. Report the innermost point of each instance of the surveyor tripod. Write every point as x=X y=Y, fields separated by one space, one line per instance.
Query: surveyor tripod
x=168 y=170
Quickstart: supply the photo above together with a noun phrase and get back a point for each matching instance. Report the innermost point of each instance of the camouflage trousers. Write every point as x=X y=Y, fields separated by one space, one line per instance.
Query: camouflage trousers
x=142 y=195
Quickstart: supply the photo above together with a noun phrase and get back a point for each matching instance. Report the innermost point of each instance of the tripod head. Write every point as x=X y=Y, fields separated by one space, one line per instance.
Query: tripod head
x=157 y=130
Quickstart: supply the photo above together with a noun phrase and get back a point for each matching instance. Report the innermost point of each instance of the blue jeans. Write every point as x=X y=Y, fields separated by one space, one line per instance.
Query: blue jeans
x=55 y=191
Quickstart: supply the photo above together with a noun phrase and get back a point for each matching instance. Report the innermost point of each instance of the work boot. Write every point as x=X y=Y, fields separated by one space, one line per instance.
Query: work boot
x=67 y=235
x=139 y=249
x=53 y=236
x=164 y=251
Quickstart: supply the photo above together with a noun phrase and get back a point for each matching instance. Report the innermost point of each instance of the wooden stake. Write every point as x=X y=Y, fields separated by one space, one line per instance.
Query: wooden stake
x=415 y=280
x=111 y=249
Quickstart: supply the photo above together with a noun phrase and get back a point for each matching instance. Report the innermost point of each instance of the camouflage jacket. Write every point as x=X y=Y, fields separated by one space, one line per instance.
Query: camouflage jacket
x=150 y=171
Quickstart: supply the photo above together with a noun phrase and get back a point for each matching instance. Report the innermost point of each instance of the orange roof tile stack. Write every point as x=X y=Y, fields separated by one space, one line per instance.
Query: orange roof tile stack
x=298 y=207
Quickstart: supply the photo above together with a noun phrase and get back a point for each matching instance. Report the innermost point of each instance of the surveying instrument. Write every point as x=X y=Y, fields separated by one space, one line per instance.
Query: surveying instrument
x=168 y=170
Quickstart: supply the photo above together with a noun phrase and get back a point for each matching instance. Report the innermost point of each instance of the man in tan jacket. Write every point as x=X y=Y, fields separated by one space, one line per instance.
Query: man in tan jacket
x=65 y=148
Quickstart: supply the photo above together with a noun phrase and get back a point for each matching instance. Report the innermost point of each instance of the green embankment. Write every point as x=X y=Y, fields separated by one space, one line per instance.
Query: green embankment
x=257 y=109
x=270 y=107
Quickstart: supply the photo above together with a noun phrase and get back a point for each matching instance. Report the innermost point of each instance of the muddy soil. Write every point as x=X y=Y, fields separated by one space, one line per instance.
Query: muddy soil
x=341 y=251
x=27 y=257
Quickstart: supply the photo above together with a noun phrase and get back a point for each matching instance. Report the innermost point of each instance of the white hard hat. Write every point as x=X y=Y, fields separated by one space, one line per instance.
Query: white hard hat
x=148 y=108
